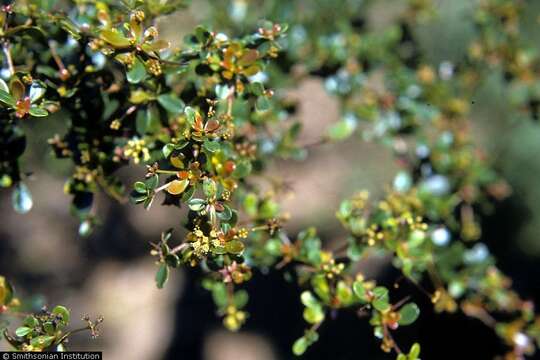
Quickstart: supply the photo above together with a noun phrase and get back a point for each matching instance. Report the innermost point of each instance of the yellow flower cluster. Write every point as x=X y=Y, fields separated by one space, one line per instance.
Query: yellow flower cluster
x=329 y=265
x=201 y=243
x=399 y=203
x=137 y=150
x=234 y=318
x=84 y=174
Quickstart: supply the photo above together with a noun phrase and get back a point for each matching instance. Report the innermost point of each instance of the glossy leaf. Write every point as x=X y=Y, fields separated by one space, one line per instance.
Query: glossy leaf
x=162 y=276
x=171 y=103
x=408 y=314
x=6 y=98
x=137 y=71
x=211 y=146
x=234 y=247
x=300 y=346
x=177 y=187
x=38 y=112
x=196 y=204
x=23 y=331
x=63 y=313
x=115 y=39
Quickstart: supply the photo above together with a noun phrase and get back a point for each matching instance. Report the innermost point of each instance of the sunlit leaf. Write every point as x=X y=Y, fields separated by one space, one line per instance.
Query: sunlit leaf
x=162 y=275
x=137 y=71
x=177 y=186
x=115 y=38
x=408 y=314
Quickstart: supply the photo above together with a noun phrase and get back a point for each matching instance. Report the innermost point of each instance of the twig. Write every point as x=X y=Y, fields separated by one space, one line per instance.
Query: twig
x=64 y=73
x=179 y=248
x=393 y=342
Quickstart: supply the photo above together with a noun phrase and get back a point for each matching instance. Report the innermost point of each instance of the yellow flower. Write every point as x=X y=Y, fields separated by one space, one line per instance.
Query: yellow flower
x=137 y=150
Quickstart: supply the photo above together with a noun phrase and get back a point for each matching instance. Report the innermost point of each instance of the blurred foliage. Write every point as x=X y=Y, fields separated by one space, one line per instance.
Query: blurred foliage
x=207 y=117
x=41 y=331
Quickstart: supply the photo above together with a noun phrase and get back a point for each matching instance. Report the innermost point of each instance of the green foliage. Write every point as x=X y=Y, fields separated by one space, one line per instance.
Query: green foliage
x=41 y=331
x=208 y=116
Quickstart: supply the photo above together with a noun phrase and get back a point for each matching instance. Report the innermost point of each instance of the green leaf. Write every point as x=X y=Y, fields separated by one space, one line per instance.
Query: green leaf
x=220 y=294
x=67 y=25
x=234 y=247
x=226 y=214
x=7 y=99
x=360 y=290
x=42 y=341
x=31 y=321
x=408 y=314
x=63 y=312
x=380 y=301
x=321 y=287
x=166 y=235
x=38 y=112
x=23 y=331
x=342 y=129
x=115 y=39
x=209 y=188
x=190 y=114
x=140 y=97
x=196 y=204
x=414 y=352
x=241 y=298
x=148 y=122
x=3 y=86
x=300 y=346
x=211 y=146
x=344 y=293
x=268 y=209
x=37 y=91
x=257 y=88
x=308 y=299
x=222 y=91
x=263 y=103
x=243 y=169
x=136 y=198
x=167 y=150
x=49 y=328
x=250 y=204
x=416 y=238
x=32 y=31
x=172 y=260
x=137 y=72
x=314 y=314
x=162 y=275
x=171 y=103
x=148 y=202
x=152 y=182
x=140 y=187
x=188 y=194
x=202 y=34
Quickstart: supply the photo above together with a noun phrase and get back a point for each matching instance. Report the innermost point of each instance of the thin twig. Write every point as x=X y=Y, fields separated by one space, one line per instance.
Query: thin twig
x=179 y=248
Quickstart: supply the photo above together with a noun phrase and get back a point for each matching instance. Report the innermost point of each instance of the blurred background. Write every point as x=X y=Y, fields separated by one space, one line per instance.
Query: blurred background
x=110 y=272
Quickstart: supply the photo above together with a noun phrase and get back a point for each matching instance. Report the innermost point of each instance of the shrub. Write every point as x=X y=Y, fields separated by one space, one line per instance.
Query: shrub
x=209 y=115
